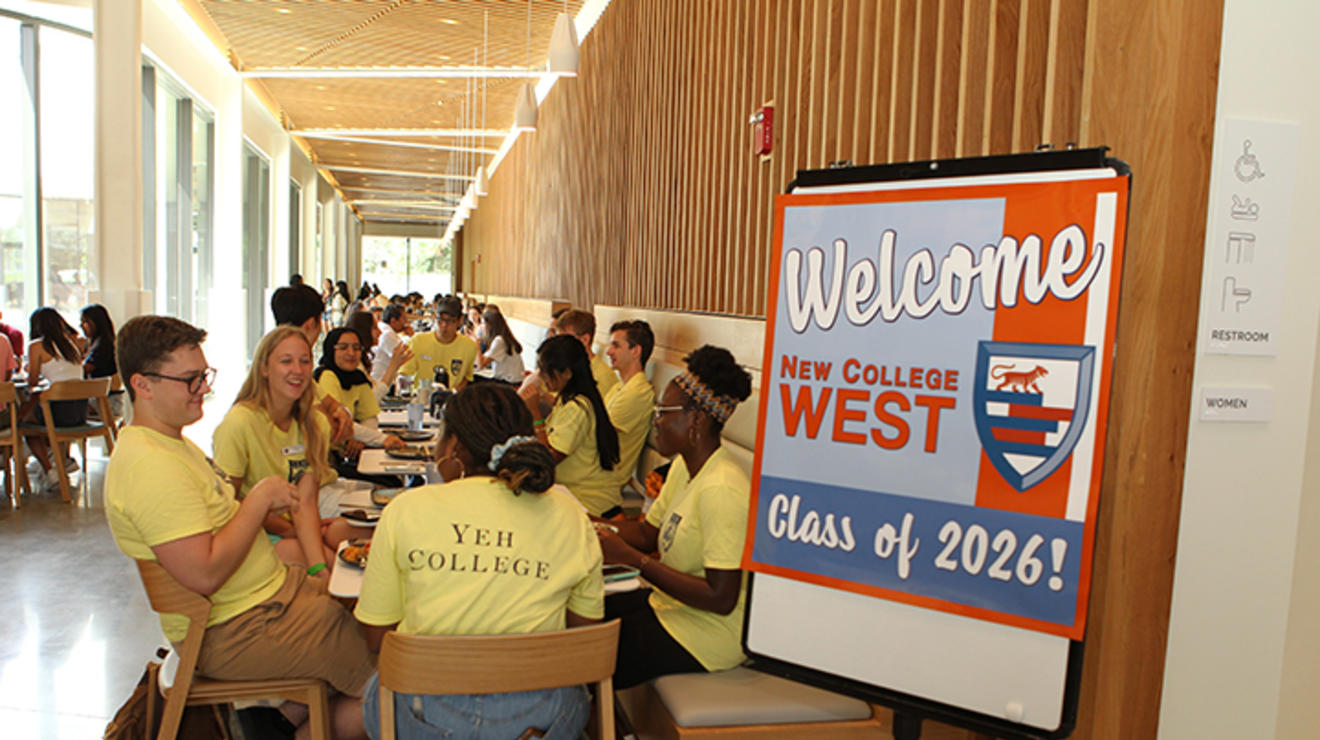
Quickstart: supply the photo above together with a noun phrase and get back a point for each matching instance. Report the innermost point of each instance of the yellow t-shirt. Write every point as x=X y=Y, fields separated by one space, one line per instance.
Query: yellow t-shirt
x=457 y=357
x=603 y=374
x=248 y=445
x=571 y=429
x=703 y=524
x=159 y=489
x=360 y=400
x=470 y=558
x=630 y=405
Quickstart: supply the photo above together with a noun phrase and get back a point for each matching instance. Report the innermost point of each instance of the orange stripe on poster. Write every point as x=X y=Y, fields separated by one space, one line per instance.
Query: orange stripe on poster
x=1042 y=210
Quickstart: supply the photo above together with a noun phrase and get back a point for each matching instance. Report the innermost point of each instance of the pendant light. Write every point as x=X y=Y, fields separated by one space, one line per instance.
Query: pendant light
x=524 y=113
x=564 y=47
x=524 y=110
x=482 y=184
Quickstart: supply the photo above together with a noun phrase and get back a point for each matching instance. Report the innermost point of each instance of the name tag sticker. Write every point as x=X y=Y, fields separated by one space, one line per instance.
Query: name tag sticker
x=426 y=357
x=292 y=450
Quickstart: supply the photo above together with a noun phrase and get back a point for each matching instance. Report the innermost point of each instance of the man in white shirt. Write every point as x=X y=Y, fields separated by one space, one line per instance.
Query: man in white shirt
x=392 y=321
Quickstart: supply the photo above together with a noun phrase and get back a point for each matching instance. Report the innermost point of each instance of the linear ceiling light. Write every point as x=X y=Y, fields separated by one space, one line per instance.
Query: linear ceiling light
x=368 y=73
x=388 y=142
x=408 y=203
x=404 y=132
x=400 y=173
x=438 y=197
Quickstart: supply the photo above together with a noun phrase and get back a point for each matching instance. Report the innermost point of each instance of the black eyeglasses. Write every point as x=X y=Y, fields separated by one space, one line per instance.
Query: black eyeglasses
x=194 y=382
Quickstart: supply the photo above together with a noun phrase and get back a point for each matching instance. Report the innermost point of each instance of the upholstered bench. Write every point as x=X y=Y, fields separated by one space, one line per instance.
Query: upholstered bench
x=747 y=704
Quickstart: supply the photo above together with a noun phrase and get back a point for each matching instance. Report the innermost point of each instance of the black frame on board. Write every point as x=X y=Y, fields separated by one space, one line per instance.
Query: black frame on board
x=909 y=710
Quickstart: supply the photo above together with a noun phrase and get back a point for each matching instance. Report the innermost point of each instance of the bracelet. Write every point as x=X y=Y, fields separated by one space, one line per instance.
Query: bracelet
x=316 y=569
x=642 y=565
x=538 y=422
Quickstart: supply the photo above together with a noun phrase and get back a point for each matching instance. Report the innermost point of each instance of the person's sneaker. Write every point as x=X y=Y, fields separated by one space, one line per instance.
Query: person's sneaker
x=71 y=465
x=42 y=480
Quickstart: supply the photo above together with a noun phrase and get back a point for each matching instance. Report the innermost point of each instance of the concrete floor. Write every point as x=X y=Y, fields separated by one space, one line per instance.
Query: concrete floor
x=75 y=630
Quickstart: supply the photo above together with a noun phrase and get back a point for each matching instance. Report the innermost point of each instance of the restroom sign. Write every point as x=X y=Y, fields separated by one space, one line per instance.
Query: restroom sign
x=934 y=393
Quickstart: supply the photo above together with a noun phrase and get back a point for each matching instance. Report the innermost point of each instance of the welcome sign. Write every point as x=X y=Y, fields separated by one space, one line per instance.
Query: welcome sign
x=934 y=393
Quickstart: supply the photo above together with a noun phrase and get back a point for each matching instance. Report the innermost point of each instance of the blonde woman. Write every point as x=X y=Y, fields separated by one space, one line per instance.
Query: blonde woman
x=272 y=429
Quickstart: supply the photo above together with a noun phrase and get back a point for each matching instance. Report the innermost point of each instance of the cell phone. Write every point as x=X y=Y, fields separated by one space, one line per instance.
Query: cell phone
x=616 y=572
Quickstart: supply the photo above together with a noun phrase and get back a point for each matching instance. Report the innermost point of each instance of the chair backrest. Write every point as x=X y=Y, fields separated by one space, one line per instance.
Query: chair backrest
x=167 y=596
x=7 y=393
x=487 y=664
x=73 y=390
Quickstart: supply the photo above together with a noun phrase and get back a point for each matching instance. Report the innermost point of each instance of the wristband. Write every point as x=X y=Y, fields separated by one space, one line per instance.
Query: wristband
x=316 y=569
x=538 y=422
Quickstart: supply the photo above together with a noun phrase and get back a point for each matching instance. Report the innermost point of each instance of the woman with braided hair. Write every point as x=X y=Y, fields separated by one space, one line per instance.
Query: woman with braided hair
x=692 y=620
x=471 y=557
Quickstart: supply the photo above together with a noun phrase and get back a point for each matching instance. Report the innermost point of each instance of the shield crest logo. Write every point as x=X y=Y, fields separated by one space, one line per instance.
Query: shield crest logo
x=1031 y=403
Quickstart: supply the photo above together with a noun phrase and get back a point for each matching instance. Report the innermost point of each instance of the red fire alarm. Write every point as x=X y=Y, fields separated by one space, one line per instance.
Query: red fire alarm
x=763 y=136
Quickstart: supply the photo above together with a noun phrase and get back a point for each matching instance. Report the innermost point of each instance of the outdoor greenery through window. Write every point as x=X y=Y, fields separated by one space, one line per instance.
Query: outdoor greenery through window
x=400 y=265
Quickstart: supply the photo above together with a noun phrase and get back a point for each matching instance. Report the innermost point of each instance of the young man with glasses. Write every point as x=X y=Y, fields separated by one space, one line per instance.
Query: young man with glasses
x=444 y=347
x=166 y=501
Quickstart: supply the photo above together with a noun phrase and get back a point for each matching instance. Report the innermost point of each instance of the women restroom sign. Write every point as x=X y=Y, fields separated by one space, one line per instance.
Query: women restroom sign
x=935 y=390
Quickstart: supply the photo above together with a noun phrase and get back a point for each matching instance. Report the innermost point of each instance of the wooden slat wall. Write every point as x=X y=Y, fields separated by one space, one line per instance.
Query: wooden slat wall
x=640 y=189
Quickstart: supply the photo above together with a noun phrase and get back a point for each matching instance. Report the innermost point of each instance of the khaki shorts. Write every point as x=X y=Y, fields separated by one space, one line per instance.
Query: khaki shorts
x=300 y=632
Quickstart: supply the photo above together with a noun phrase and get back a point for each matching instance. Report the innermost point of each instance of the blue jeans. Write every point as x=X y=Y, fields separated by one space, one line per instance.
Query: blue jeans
x=561 y=713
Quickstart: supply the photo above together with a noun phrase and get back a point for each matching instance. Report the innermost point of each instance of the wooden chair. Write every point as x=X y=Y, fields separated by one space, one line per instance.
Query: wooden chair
x=15 y=471
x=96 y=391
x=94 y=413
x=168 y=596
x=488 y=664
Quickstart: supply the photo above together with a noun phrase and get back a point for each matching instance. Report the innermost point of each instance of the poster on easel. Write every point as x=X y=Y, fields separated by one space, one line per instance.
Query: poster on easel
x=935 y=393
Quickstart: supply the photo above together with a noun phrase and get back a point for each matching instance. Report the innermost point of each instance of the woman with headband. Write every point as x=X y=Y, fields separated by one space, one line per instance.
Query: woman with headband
x=692 y=620
x=471 y=556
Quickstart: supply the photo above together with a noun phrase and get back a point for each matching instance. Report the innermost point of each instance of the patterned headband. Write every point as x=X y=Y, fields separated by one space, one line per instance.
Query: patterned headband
x=719 y=407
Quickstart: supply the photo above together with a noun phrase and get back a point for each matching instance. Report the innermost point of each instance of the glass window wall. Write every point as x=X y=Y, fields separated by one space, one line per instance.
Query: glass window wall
x=67 y=140
x=47 y=239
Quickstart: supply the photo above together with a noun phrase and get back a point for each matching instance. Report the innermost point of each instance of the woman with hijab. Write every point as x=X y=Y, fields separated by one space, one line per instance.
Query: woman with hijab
x=340 y=375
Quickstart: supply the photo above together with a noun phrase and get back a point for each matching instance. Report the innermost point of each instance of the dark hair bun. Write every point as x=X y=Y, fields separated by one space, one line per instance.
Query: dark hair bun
x=484 y=415
x=716 y=367
x=527 y=467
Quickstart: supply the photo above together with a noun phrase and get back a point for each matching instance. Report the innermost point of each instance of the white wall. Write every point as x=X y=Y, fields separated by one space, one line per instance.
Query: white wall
x=1243 y=655
x=172 y=41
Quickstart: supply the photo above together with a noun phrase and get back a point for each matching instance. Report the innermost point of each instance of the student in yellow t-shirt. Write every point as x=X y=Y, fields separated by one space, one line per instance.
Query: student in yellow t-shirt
x=444 y=347
x=340 y=373
x=578 y=431
x=495 y=550
x=166 y=502
x=692 y=620
x=582 y=325
x=273 y=429
x=630 y=402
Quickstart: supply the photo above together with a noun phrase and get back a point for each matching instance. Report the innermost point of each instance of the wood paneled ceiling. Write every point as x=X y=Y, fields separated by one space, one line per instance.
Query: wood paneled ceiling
x=294 y=52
